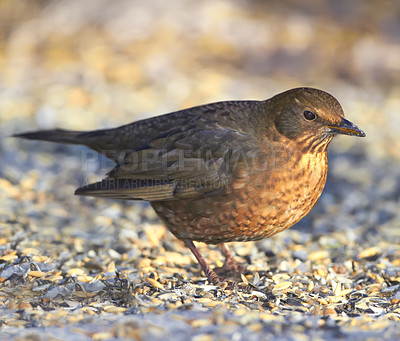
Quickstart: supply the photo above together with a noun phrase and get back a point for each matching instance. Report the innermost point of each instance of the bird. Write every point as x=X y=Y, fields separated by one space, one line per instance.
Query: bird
x=228 y=171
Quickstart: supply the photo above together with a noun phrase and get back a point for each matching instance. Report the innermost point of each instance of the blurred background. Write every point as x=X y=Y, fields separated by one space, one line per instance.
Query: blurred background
x=92 y=64
x=82 y=65
x=85 y=64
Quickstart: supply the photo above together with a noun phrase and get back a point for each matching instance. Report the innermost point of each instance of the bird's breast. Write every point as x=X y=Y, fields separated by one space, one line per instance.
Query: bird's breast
x=258 y=204
x=273 y=202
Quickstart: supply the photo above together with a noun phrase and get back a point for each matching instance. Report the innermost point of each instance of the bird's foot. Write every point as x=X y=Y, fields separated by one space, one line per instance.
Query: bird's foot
x=212 y=276
x=226 y=284
x=223 y=283
x=231 y=267
x=231 y=285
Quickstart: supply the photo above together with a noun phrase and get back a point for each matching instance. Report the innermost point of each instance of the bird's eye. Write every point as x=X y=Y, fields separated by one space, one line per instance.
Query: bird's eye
x=310 y=116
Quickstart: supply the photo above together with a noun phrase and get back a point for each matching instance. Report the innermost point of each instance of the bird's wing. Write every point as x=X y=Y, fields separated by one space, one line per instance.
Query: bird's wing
x=145 y=134
x=199 y=160
x=185 y=154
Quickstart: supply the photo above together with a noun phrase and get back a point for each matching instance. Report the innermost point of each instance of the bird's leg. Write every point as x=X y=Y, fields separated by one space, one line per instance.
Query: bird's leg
x=211 y=275
x=230 y=263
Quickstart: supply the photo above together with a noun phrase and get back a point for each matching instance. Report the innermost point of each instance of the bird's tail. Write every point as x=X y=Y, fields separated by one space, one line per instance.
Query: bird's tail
x=103 y=141
x=55 y=135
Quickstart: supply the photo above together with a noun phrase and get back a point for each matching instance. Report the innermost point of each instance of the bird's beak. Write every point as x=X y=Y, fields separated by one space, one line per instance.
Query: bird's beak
x=346 y=128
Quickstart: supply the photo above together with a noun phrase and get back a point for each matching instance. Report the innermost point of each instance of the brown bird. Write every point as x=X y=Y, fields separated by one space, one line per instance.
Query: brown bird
x=221 y=172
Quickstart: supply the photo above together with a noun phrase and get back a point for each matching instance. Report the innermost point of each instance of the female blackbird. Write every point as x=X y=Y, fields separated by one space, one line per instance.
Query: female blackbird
x=221 y=172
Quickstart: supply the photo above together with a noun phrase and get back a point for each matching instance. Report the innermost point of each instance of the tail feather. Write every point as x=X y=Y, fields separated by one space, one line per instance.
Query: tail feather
x=54 y=135
x=103 y=141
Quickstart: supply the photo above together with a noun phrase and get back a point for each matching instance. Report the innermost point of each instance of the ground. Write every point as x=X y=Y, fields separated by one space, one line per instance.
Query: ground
x=75 y=268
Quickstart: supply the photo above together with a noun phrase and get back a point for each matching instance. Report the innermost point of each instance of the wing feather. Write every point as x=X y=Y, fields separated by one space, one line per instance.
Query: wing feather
x=176 y=173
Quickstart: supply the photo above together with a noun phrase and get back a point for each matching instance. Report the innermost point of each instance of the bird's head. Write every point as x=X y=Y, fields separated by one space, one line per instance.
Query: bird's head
x=310 y=114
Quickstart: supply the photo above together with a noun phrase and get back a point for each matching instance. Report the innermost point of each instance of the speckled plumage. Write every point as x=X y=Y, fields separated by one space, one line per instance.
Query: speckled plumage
x=221 y=172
